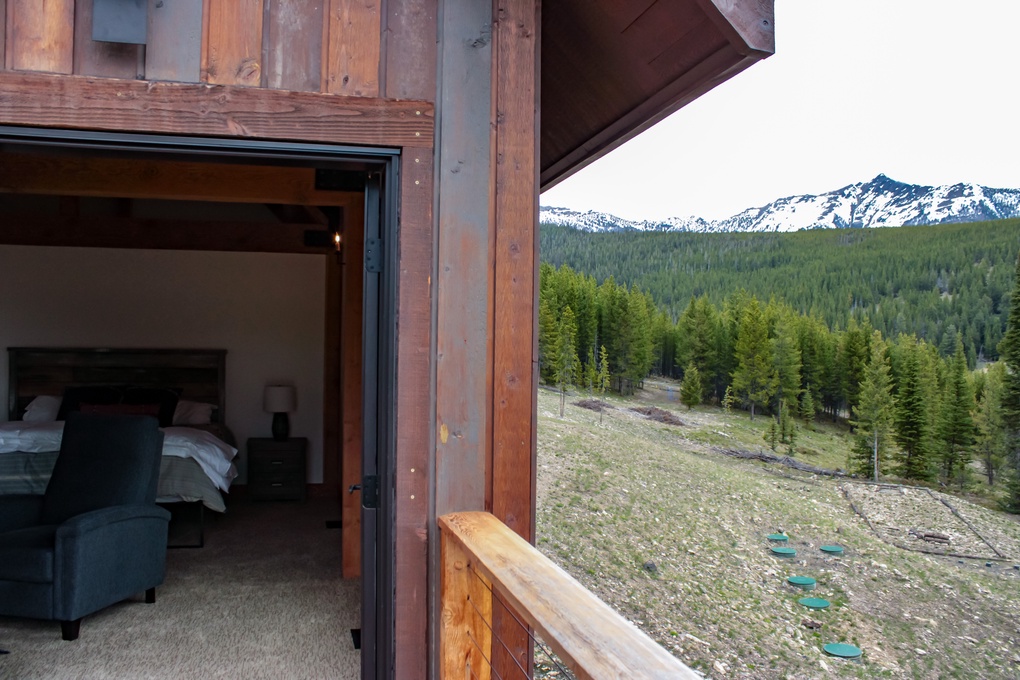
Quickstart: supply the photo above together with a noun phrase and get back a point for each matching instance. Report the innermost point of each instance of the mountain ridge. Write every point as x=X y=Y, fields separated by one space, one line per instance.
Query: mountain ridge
x=880 y=202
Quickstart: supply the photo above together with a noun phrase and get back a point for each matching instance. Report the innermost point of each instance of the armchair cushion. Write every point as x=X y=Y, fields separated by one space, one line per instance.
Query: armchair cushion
x=114 y=473
x=27 y=554
x=19 y=511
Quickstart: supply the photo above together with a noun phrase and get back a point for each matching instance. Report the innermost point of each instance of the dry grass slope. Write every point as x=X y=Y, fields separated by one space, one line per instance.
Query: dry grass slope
x=632 y=491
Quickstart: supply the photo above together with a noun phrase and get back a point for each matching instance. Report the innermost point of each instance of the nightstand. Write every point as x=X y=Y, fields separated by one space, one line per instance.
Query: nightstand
x=276 y=469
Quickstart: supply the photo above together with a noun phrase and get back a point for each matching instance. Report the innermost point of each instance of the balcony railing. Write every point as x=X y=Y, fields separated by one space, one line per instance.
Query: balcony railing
x=494 y=581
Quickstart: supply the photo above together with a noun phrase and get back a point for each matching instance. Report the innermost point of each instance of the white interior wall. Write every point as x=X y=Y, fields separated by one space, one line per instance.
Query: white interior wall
x=266 y=310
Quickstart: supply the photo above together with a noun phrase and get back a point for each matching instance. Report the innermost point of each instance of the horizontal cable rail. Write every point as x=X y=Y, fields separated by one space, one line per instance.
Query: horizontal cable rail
x=495 y=586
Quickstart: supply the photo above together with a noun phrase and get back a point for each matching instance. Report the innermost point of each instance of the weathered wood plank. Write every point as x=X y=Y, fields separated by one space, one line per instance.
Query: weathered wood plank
x=3 y=33
x=352 y=66
x=515 y=360
x=516 y=267
x=197 y=109
x=414 y=444
x=40 y=35
x=465 y=640
x=174 y=50
x=351 y=358
x=175 y=180
x=463 y=305
x=750 y=24
x=293 y=50
x=234 y=42
x=97 y=58
x=593 y=640
x=410 y=49
x=154 y=234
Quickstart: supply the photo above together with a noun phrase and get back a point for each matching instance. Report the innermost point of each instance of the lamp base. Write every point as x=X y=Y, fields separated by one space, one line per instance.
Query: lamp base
x=281 y=427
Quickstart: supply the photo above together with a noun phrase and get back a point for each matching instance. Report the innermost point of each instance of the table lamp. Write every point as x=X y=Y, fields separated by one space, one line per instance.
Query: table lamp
x=280 y=400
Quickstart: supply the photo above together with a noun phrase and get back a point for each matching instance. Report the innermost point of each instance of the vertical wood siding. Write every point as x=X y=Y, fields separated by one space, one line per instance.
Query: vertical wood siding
x=293 y=44
x=40 y=35
x=332 y=46
x=234 y=42
x=352 y=64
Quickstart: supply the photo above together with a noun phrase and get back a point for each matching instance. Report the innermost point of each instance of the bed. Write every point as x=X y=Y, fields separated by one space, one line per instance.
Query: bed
x=44 y=383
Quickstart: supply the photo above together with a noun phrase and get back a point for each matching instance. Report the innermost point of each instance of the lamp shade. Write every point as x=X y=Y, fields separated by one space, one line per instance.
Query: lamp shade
x=279 y=399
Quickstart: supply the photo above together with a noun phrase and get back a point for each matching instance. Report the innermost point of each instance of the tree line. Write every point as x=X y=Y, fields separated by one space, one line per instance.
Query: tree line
x=917 y=411
x=938 y=282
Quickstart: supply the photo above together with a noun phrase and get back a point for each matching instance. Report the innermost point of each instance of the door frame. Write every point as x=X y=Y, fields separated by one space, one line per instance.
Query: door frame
x=380 y=168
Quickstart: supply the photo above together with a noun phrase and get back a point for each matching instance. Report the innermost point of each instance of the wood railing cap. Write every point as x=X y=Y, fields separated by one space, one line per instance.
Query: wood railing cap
x=585 y=632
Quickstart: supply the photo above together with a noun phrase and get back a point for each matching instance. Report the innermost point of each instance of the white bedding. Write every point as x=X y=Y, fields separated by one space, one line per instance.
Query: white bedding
x=212 y=454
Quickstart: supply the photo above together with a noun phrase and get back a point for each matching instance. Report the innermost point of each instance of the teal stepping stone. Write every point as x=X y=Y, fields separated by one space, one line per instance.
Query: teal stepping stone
x=832 y=549
x=814 y=602
x=780 y=538
x=784 y=552
x=842 y=650
x=802 y=582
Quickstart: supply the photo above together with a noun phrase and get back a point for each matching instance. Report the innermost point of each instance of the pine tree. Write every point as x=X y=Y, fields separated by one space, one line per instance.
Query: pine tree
x=690 y=387
x=956 y=426
x=913 y=433
x=807 y=406
x=603 y=379
x=755 y=378
x=786 y=353
x=591 y=372
x=874 y=412
x=548 y=340
x=1009 y=350
x=696 y=342
x=990 y=441
x=772 y=435
x=567 y=365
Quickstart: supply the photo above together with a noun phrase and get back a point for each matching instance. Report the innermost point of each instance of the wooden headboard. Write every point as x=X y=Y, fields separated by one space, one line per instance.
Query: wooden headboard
x=199 y=373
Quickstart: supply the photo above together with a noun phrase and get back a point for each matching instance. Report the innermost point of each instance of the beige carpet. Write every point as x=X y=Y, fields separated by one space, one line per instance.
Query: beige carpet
x=262 y=599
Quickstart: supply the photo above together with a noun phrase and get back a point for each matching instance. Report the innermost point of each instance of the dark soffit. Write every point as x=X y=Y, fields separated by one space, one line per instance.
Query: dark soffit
x=612 y=68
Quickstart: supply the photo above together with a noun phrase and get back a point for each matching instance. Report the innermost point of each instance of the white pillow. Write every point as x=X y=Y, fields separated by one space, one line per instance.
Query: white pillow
x=193 y=413
x=42 y=409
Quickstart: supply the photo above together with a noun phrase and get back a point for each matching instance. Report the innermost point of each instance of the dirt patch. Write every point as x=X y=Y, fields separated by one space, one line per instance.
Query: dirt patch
x=593 y=405
x=659 y=415
x=918 y=519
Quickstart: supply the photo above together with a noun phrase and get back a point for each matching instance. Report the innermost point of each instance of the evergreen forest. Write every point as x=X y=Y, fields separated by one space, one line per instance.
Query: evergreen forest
x=911 y=336
x=938 y=282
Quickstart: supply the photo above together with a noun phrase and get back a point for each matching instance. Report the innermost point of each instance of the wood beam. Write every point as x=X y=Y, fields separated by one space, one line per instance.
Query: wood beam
x=171 y=180
x=352 y=420
x=126 y=232
x=414 y=436
x=515 y=295
x=75 y=102
x=749 y=26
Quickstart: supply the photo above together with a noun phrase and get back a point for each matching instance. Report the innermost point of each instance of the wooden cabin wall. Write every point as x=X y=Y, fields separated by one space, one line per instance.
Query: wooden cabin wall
x=331 y=46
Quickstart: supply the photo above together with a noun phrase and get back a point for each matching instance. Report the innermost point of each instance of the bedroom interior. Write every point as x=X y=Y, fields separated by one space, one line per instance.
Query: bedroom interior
x=181 y=254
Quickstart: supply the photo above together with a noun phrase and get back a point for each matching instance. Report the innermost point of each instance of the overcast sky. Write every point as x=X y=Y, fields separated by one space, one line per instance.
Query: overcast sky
x=925 y=91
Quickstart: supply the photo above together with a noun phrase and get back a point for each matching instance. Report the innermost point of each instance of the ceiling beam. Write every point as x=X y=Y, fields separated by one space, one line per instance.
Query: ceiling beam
x=127 y=232
x=56 y=175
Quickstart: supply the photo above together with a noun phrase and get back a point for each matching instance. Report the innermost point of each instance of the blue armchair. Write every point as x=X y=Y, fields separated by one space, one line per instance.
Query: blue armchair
x=96 y=537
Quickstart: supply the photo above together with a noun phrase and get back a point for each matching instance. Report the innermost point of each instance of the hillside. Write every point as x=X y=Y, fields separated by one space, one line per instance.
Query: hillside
x=920 y=280
x=658 y=522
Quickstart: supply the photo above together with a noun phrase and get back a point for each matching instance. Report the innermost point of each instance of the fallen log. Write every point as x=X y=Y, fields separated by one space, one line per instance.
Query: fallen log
x=781 y=460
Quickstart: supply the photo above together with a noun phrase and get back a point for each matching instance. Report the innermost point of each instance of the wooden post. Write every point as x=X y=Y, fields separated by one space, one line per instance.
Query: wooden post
x=465 y=641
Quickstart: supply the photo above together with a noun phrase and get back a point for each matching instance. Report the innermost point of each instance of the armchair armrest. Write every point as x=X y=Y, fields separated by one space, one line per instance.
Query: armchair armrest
x=97 y=519
x=19 y=511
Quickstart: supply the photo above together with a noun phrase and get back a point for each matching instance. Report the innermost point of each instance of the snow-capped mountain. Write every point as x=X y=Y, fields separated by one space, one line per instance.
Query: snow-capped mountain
x=882 y=202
